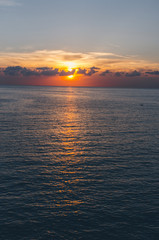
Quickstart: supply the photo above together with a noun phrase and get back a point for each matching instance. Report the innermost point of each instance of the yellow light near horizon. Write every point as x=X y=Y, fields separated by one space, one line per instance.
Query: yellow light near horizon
x=70 y=76
x=70 y=66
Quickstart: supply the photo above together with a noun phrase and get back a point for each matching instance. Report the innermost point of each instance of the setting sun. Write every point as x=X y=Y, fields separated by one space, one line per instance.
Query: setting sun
x=70 y=65
x=71 y=76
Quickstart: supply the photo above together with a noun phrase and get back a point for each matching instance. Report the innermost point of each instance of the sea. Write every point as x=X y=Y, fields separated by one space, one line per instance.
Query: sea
x=79 y=163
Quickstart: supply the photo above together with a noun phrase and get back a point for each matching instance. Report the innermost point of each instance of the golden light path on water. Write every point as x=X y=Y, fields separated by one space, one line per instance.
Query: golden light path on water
x=69 y=134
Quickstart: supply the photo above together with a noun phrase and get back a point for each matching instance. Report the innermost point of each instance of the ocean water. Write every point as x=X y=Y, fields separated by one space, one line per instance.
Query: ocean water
x=79 y=163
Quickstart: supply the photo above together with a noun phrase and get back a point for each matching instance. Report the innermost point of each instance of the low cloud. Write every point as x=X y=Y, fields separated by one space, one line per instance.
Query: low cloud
x=27 y=72
x=66 y=73
x=105 y=72
x=92 y=71
x=81 y=71
x=51 y=72
x=92 y=76
x=13 y=70
x=46 y=71
x=118 y=74
x=153 y=73
x=88 y=72
x=22 y=71
x=17 y=70
x=133 y=74
x=44 y=68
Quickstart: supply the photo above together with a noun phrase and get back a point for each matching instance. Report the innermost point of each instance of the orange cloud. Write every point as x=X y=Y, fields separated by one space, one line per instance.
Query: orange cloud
x=63 y=68
x=59 y=59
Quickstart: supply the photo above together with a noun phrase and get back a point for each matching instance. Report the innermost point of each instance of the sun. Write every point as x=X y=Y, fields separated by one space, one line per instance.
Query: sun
x=70 y=66
x=70 y=76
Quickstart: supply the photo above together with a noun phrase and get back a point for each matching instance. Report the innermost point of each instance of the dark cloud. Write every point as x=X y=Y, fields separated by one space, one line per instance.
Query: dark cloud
x=118 y=74
x=97 y=68
x=17 y=70
x=81 y=71
x=44 y=68
x=153 y=73
x=50 y=72
x=27 y=72
x=12 y=71
x=105 y=72
x=133 y=74
x=46 y=71
x=37 y=76
x=92 y=71
x=66 y=73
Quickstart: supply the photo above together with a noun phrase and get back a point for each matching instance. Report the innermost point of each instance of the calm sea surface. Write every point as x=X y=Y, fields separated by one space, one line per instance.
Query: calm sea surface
x=79 y=163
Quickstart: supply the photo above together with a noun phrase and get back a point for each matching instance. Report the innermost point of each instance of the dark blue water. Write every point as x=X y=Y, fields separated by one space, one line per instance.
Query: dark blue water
x=79 y=163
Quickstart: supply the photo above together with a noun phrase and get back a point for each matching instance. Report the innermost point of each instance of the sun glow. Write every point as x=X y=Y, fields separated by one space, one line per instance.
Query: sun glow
x=70 y=76
x=70 y=66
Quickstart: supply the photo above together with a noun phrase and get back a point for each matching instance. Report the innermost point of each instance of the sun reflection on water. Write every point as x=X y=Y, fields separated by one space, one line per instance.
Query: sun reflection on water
x=67 y=174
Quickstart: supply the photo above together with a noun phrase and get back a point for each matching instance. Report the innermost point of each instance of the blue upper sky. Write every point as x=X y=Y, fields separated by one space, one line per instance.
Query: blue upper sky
x=128 y=27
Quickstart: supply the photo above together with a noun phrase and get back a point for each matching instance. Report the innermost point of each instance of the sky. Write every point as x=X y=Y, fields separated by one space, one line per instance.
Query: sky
x=105 y=43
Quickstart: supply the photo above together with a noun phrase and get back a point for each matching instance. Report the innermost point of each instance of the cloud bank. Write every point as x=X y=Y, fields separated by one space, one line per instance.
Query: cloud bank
x=92 y=76
x=45 y=71
x=91 y=68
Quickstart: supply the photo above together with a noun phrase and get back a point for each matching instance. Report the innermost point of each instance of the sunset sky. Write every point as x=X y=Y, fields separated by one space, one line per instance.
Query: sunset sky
x=105 y=43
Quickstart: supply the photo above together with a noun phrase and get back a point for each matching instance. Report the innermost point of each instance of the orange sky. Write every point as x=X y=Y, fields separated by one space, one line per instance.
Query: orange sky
x=65 y=59
x=63 y=68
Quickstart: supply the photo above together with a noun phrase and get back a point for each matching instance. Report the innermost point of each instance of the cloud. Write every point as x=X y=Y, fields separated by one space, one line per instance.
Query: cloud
x=53 y=76
x=27 y=72
x=92 y=71
x=85 y=60
x=105 y=72
x=81 y=71
x=13 y=70
x=44 y=68
x=8 y=3
x=133 y=74
x=72 y=57
x=66 y=73
x=17 y=70
x=106 y=55
x=46 y=71
x=118 y=74
x=50 y=72
x=153 y=73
